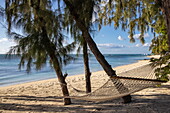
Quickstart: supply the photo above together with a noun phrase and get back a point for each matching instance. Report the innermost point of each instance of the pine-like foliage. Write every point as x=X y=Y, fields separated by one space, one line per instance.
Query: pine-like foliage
x=160 y=46
x=32 y=17
x=159 y=43
x=131 y=15
x=142 y=16
x=85 y=10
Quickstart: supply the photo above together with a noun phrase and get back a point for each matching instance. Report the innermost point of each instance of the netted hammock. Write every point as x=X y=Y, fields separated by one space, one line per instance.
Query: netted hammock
x=121 y=85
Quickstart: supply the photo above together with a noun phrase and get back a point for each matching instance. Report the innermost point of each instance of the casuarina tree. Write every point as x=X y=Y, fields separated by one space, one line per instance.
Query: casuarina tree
x=41 y=40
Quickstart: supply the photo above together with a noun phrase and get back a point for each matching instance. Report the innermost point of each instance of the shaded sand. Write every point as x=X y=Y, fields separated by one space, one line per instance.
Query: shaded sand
x=154 y=56
x=45 y=97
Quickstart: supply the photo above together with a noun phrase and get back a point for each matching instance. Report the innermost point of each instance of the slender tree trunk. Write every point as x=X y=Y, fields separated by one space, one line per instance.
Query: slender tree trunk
x=86 y=67
x=61 y=79
x=51 y=49
x=86 y=35
x=100 y=58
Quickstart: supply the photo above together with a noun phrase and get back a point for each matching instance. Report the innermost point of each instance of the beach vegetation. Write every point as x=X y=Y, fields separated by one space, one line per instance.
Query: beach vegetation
x=41 y=38
x=142 y=16
x=33 y=10
x=76 y=34
x=43 y=25
x=159 y=46
x=89 y=4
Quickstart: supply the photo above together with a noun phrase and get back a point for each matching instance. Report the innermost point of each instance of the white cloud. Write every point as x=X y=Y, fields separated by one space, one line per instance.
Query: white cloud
x=125 y=50
x=3 y=40
x=146 y=44
x=137 y=45
x=120 y=38
x=136 y=36
x=110 y=45
x=5 y=45
x=146 y=35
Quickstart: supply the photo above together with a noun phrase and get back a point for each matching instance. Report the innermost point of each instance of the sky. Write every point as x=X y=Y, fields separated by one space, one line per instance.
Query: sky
x=113 y=41
x=108 y=40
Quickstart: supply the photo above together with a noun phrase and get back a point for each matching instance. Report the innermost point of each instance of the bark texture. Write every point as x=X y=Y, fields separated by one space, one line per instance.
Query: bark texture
x=51 y=51
x=86 y=67
x=93 y=47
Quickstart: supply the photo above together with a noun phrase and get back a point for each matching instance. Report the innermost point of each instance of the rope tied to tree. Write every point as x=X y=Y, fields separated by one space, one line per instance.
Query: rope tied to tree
x=132 y=81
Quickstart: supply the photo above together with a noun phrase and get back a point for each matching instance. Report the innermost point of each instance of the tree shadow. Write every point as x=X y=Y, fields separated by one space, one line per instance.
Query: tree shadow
x=166 y=86
x=153 y=103
x=33 y=98
x=36 y=104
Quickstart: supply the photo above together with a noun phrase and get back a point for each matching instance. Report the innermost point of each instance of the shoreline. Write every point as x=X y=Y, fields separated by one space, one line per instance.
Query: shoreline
x=54 y=77
x=46 y=96
x=117 y=69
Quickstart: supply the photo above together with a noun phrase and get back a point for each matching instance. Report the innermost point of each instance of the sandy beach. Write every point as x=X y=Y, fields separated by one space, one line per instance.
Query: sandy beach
x=46 y=97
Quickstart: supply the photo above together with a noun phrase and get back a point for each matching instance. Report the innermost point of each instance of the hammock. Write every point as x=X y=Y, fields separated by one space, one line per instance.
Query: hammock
x=118 y=86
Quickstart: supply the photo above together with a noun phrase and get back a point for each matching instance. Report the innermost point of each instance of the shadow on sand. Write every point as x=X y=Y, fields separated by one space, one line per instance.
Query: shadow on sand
x=156 y=103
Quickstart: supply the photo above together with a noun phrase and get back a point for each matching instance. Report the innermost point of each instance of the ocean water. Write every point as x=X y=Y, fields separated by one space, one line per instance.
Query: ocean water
x=10 y=75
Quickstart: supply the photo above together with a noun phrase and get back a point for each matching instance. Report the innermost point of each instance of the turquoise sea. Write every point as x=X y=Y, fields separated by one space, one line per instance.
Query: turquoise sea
x=10 y=75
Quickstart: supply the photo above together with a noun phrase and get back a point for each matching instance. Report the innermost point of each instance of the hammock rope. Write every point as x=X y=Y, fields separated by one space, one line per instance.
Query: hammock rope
x=113 y=88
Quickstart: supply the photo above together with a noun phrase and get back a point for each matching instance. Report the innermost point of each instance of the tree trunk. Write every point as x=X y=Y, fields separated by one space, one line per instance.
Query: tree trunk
x=61 y=79
x=86 y=67
x=166 y=10
x=100 y=58
x=51 y=49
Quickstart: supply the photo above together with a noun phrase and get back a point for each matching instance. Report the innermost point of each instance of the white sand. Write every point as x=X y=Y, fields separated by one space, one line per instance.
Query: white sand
x=154 y=56
x=45 y=96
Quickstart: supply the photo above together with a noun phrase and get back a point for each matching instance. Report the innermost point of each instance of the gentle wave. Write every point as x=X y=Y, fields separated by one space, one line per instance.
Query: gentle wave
x=9 y=73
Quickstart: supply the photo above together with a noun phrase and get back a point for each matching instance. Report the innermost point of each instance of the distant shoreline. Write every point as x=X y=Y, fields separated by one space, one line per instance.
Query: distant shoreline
x=72 y=76
x=46 y=95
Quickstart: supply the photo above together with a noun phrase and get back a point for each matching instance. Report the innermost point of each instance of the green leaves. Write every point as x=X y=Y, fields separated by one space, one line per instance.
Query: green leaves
x=131 y=15
x=142 y=16
x=42 y=33
x=163 y=64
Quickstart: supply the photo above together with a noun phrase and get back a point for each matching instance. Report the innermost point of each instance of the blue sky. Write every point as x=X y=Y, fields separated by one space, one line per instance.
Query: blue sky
x=114 y=41
x=109 y=41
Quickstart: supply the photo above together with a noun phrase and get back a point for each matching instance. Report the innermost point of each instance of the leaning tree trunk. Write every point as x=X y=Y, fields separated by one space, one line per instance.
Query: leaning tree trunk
x=61 y=78
x=86 y=67
x=51 y=49
x=93 y=47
